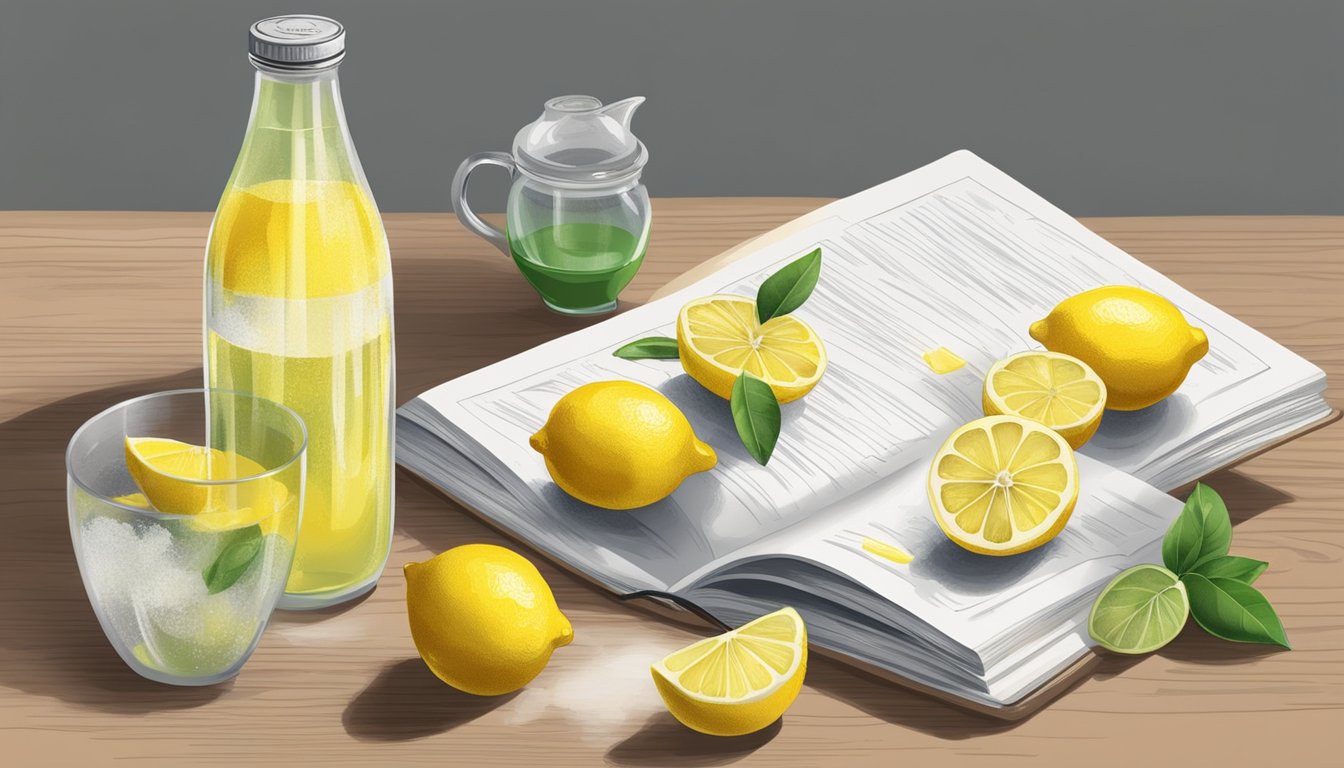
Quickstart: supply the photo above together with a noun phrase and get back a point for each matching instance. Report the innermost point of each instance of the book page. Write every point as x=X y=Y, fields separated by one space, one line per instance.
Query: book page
x=1117 y=522
x=954 y=255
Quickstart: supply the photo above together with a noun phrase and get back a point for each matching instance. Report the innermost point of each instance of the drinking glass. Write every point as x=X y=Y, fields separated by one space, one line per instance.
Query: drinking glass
x=184 y=551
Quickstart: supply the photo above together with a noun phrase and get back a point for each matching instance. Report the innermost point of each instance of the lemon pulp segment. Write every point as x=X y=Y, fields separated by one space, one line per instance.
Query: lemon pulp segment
x=886 y=551
x=943 y=361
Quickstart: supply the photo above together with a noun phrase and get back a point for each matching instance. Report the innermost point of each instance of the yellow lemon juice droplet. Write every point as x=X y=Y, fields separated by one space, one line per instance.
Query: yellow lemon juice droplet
x=943 y=361
x=886 y=551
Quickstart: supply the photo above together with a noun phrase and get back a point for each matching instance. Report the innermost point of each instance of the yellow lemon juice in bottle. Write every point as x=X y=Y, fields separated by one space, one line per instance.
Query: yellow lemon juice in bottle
x=298 y=292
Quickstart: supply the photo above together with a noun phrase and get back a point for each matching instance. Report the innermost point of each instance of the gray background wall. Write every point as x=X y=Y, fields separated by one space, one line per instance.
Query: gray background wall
x=1107 y=107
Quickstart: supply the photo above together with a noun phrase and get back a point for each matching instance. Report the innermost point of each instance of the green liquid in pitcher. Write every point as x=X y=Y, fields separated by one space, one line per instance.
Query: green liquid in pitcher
x=578 y=268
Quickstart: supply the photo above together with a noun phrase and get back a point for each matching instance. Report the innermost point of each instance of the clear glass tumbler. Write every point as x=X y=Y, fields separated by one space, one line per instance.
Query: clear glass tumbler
x=184 y=509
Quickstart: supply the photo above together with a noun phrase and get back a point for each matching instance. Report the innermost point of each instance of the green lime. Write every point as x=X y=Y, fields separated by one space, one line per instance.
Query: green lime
x=1141 y=610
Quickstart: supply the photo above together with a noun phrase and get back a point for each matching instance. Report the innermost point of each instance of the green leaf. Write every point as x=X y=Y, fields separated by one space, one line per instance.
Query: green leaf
x=234 y=558
x=1141 y=610
x=1243 y=569
x=1202 y=532
x=650 y=348
x=787 y=289
x=756 y=414
x=1231 y=610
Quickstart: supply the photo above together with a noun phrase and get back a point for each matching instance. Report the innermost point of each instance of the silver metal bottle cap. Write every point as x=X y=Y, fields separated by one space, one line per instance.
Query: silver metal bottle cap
x=296 y=41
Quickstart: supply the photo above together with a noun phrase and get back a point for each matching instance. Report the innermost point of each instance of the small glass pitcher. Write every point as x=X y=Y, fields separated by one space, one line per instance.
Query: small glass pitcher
x=577 y=218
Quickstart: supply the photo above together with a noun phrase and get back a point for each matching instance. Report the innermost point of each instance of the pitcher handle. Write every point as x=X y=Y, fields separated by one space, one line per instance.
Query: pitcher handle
x=468 y=217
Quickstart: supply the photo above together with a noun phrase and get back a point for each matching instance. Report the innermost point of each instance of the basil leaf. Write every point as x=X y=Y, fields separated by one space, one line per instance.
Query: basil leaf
x=1202 y=532
x=756 y=414
x=1232 y=610
x=1243 y=569
x=233 y=560
x=650 y=348
x=787 y=289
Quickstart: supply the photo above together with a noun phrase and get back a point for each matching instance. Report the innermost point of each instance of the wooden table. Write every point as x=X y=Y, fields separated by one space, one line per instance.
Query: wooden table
x=97 y=307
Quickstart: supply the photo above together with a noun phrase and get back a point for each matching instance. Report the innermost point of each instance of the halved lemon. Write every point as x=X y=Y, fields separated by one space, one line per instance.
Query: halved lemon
x=166 y=471
x=1001 y=485
x=719 y=337
x=740 y=681
x=1059 y=391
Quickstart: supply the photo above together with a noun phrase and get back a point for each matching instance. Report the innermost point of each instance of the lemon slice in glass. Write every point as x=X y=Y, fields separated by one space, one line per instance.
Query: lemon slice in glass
x=1001 y=485
x=738 y=682
x=1057 y=390
x=170 y=474
x=719 y=337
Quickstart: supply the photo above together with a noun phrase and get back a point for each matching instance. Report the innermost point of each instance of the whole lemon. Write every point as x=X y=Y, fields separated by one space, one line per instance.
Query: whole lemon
x=483 y=618
x=620 y=445
x=1138 y=342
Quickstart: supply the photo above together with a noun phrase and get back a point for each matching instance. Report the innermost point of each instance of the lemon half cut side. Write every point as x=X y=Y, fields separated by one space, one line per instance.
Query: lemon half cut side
x=1057 y=390
x=1001 y=485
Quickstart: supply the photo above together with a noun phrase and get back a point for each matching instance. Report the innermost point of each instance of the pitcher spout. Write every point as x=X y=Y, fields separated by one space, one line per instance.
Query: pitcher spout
x=623 y=111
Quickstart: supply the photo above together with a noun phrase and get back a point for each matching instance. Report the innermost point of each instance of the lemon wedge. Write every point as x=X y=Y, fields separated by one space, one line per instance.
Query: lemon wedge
x=169 y=472
x=719 y=337
x=1057 y=390
x=738 y=682
x=1001 y=485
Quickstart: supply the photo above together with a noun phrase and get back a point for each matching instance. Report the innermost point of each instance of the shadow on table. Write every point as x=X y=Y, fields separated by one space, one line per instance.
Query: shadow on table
x=1192 y=646
x=406 y=701
x=1195 y=646
x=664 y=741
x=50 y=641
x=1246 y=497
x=899 y=706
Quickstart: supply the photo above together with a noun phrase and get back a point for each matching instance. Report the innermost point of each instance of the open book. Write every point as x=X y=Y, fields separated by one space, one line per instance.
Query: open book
x=957 y=255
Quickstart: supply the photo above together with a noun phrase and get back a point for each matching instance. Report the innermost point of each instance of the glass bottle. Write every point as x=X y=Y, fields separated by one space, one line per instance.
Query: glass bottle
x=298 y=303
